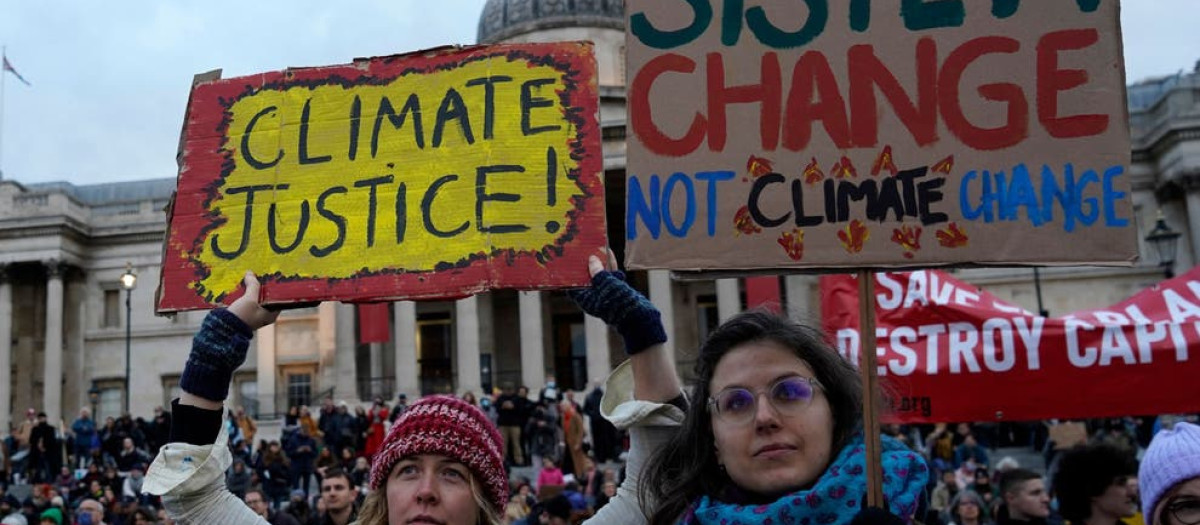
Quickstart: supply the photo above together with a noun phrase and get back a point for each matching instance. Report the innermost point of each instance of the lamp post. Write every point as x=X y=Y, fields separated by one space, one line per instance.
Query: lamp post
x=128 y=282
x=94 y=397
x=1165 y=241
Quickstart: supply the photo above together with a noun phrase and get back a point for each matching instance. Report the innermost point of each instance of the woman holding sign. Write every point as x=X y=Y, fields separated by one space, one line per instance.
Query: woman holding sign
x=772 y=429
x=440 y=463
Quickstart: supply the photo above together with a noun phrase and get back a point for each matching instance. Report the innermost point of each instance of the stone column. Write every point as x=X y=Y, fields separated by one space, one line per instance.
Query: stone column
x=5 y=349
x=326 y=345
x=800 y=304
x=345 y=384
x=533 y=346
x=599 y=364
x=466 y=348
x=408 y=380
x=729 y=301
x=266 y=369
x=52 y=367
x=1183 y=259
x=660 y=295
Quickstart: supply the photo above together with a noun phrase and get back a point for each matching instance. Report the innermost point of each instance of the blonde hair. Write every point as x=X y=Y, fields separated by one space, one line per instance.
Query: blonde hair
x=375 y=507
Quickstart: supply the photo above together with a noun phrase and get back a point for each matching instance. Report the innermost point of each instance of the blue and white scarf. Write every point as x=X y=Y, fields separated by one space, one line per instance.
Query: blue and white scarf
x=835 y=498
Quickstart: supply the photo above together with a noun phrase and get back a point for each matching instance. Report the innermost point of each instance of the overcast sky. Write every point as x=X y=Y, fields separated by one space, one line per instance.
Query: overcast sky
x=111 y=79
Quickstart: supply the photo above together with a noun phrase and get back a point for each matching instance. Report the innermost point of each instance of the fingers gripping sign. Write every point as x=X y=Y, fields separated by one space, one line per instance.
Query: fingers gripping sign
x=247 y=307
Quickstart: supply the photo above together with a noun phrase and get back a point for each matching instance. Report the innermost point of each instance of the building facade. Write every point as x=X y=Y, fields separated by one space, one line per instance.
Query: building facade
x=63 y=249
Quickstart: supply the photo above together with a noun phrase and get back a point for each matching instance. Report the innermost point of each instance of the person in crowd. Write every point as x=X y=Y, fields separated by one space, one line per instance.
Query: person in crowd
x=348 y=459
x=399 y=408
x=945 y=491
x=604 y=434
x=258 y=502
x=489 y=409
x=607 y=492
x=338 y=427
x=275 y=471
x=440 y=463
x=292 y=417
x=160 y=429
x=982 y=485
x=572 y=431
x=376 y=419
x=1169 y=476
x=44 y=455
x=549 y=475
x=238 y=479
x=84 y=431
x=469 y=398
x=1026 y=501
x=970 y=448
x=131 y=489
x=550 y=394
x=299 y=507
x=301 y=450
x=51 y=516
x=775 y=432
x=246 y=424
x=325 y=461
x=142 y=516
x=361 y=425
x=510 y=409
x=308 y=424
x=361 y=473
x=967 y=508
x=130 y=455
x=1091 y=485
x=94 y=509
x=545 y=434
x=516 y=509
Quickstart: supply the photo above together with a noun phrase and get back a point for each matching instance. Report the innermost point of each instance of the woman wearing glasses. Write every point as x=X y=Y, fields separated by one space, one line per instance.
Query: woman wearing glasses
x=1169 y=477
x=771 y=432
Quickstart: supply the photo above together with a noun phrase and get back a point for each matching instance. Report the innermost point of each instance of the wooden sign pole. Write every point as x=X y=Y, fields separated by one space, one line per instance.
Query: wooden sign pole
x=866 y=367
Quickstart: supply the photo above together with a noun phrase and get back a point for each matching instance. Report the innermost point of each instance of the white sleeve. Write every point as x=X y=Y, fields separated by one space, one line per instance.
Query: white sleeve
x=191 y=481
x=650 y=425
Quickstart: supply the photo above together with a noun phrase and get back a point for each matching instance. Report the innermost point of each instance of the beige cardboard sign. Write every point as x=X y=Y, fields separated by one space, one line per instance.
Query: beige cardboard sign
x=876 y=134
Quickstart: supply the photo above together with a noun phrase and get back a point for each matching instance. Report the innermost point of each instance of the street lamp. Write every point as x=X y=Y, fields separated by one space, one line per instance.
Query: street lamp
x=94 y=397
x=1164 y=240
x=128 y=282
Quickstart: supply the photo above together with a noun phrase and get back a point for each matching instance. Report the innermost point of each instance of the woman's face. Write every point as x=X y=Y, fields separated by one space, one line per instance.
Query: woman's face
x=772 y=453
x=430 y=489
x=968 y=509
x=1180 y=505
x=1117 y=499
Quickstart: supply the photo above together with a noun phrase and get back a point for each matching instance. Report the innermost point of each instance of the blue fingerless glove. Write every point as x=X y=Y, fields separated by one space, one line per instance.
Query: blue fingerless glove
x=612 y=300
x=218 y=349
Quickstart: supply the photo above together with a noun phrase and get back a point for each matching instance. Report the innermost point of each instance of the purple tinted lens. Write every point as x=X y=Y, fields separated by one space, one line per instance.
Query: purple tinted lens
x=736 y=401
x=792 y=390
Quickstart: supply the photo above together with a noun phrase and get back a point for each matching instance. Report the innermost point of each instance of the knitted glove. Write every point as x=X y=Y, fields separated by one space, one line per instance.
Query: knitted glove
x=612 y=300
x=218 y=349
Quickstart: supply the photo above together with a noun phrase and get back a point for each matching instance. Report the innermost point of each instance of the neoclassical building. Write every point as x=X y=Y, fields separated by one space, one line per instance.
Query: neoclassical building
x=64 y=248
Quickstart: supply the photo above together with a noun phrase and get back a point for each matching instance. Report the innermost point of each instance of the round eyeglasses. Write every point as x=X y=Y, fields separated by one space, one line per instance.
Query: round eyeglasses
x=1185 y=510
x=788 y=395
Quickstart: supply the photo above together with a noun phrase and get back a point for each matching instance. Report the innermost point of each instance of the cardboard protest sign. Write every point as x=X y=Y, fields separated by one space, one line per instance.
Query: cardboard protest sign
x=876 y=134
x=434 y=174
x=951 y=352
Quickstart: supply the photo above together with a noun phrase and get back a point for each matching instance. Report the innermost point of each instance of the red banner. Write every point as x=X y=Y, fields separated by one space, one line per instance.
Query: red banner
x=948 y=351
x=373 y=323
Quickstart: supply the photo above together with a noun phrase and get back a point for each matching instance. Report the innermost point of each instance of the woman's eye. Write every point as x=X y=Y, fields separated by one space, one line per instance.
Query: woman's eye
x=406 y=470
x=454 y=473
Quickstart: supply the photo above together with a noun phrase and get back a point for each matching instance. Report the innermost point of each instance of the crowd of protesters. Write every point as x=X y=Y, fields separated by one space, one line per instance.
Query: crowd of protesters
x=563 y=459
x=89 y=472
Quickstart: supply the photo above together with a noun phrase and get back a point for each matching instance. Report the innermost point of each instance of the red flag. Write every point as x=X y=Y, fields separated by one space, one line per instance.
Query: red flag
x=374 y=324
x=764 y=292
x=9 y=67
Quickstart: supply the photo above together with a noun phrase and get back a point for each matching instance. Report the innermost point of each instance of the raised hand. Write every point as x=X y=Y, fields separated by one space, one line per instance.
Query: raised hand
x=616 y=303
x=247 y=307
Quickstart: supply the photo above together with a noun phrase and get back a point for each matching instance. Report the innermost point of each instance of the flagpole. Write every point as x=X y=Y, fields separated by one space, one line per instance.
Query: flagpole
x=3 y=76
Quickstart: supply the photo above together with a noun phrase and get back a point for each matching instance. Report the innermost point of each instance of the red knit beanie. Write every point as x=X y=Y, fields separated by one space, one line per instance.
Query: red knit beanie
x=450 y=427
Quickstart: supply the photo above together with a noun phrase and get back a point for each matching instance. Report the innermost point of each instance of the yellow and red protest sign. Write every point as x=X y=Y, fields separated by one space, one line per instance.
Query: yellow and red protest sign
x=434 y=174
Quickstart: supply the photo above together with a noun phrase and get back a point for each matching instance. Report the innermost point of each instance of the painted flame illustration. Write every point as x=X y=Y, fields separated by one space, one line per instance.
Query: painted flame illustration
x=952 y=236
x=758 y=166
x=853 y=236
x=813 y=173
x=744 y=223
x=909 y=238
x=793 y=243
x=884 y=162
